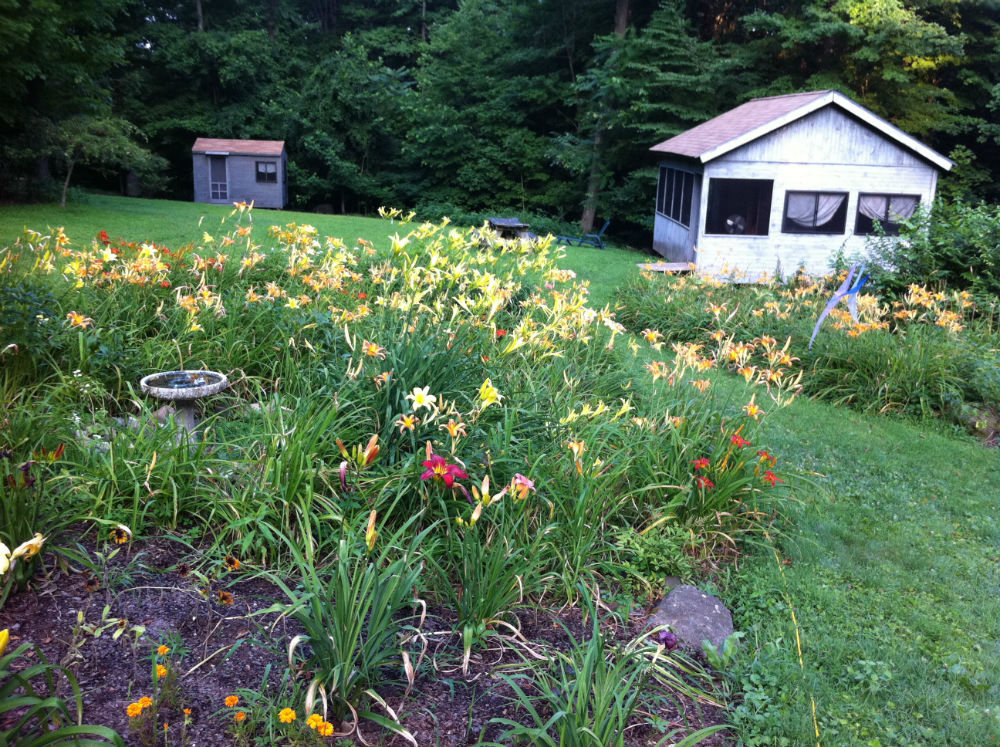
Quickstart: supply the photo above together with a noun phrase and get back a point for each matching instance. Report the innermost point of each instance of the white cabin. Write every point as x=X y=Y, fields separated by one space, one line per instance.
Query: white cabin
x=784 y=182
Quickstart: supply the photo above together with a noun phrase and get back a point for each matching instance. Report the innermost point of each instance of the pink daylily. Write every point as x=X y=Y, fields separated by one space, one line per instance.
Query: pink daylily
x=438 y=468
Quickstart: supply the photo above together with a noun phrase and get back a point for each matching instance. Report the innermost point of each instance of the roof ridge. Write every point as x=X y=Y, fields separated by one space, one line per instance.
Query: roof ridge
x=800 y=93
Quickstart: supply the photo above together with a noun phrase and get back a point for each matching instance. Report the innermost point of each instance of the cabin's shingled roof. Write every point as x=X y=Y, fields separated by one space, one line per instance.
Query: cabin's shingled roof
x=239 y=147
x=730 y=125
x=758 y=117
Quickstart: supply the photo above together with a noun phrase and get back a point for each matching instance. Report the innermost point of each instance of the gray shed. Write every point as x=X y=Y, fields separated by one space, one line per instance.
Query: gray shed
x=784 y=182
x=228 y=171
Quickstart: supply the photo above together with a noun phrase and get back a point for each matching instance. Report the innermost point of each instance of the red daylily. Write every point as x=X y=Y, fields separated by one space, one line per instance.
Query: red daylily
x=438 y=468
x=702 y=463
x=704 y=482
x=770 y=478
x=740 y=441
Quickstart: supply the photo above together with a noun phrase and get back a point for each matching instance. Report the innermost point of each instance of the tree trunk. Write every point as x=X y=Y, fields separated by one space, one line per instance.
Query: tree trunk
x=593 y=191
x=69 y=173
x=201 y=16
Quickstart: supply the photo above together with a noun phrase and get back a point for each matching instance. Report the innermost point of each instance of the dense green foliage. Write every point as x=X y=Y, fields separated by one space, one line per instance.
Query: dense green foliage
x=472 y=105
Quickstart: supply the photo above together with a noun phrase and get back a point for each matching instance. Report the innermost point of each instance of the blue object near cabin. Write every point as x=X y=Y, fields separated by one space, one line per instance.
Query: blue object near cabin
x=846 y=290
x=591 y=239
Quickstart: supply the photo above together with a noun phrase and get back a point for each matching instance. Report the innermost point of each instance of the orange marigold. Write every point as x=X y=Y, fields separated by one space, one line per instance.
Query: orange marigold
x=163 y=650
x=240 y=716
x=325 y=729
x=161 y=671
x=145 y=702
x=287 y=715
x=133 y=710
x=232 y=700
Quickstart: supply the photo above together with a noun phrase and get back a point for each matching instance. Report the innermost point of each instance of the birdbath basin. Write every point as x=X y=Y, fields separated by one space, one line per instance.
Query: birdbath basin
x=183 y=388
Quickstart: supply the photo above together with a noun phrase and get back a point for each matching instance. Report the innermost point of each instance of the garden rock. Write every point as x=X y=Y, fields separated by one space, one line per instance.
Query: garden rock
x=694 y=616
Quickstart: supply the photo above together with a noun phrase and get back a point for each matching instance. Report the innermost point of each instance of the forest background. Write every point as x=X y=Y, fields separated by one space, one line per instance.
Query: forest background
x=542 y=108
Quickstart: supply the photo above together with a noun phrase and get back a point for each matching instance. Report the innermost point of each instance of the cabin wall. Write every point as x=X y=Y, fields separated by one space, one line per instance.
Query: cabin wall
x=242 y=181
x=803 y=156
x=672 y=240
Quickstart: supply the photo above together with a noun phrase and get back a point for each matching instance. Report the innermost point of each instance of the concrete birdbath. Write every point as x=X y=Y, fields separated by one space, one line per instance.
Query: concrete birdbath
x=183 y=388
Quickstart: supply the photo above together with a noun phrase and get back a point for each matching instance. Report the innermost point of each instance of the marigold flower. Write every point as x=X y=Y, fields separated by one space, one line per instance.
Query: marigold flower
x=121 y=534
x=133 y=710
x=232 y=700
x=163 y=650
x=240 y=716
x=702 y=463
x=161 y=671
x=145 y=702
x=314 y=721
x=325 y=729
x=287 y=715
x=770 y=478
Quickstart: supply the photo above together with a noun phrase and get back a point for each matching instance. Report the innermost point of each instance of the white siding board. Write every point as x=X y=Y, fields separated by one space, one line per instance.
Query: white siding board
x=827 y=136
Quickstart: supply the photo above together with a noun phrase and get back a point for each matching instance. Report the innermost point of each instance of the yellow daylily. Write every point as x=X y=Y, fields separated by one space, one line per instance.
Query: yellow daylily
x=4 y=558
x=29 y=549
x=4 y=638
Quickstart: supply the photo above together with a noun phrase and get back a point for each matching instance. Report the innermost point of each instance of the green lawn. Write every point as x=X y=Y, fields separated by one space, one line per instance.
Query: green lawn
x=169 y=223
x=891 y=565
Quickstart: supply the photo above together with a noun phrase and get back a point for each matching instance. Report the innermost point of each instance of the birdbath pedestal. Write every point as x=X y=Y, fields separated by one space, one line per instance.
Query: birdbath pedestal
x=183 y=388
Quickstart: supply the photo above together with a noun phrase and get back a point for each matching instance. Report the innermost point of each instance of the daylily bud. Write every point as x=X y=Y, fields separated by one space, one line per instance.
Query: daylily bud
x=371 y=450
x=370 y=534
x=343 y=476
x=4 y=638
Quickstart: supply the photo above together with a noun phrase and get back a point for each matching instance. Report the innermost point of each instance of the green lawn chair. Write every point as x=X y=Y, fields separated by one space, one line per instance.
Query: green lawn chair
x=591 y=239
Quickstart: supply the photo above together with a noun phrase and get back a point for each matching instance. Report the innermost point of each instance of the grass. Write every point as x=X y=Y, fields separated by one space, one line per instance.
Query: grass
x=166 y=222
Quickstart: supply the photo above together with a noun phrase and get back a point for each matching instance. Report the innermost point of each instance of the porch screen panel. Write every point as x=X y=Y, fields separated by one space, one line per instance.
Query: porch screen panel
x=673 y=194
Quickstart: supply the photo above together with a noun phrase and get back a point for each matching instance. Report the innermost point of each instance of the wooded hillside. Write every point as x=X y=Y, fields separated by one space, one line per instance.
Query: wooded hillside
x=543 y=108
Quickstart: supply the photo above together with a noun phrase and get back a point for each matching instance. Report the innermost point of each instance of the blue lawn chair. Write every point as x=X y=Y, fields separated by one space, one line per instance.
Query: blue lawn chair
x=591 y=239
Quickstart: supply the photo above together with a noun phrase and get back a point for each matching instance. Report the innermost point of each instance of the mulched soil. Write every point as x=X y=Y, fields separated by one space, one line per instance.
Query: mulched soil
x=232 y=649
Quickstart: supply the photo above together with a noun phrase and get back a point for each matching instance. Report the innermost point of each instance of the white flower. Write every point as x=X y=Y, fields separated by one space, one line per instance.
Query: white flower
x=421 y=398
x=4 y=558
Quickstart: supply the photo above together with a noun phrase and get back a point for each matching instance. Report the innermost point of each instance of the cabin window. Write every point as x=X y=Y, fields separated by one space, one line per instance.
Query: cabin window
x=674 y=193
x=739 y=206
x=267 y=172
x=815 y=212
x=888 y=210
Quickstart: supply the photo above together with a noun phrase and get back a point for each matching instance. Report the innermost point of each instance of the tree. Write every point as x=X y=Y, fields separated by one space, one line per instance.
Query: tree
x=104 y=143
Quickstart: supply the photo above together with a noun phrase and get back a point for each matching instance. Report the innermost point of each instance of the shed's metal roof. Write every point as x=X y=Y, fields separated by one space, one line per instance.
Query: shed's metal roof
x=758 y=117
x=239 y=147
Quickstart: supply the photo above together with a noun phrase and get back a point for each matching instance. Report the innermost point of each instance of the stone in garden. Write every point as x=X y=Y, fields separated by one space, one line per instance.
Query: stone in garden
x=694 y=616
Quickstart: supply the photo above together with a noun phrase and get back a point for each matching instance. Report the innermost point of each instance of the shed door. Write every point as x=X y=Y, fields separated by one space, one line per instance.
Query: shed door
x=217 y=177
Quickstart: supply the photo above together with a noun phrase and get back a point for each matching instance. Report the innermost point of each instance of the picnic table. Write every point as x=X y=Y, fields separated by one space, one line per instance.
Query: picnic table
x=511 y=228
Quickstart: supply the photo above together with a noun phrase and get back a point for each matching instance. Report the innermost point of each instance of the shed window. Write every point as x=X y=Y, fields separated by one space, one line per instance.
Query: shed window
x=888 y=210
x=739 y=206
x=815 y=212
x=673 y=194
x=267 y=172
